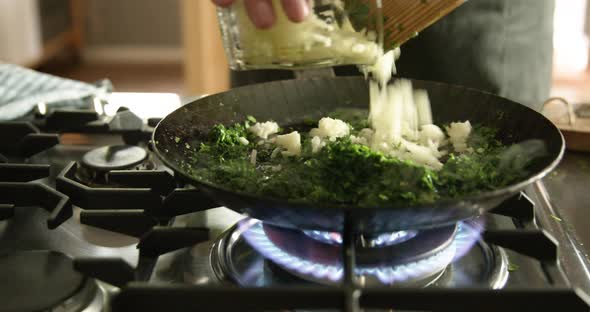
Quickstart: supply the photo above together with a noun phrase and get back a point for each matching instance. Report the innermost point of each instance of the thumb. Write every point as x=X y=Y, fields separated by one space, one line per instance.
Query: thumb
x=223 y=3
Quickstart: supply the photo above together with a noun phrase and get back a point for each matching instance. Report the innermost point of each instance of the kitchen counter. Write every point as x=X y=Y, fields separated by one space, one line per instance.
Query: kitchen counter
x=569 y=189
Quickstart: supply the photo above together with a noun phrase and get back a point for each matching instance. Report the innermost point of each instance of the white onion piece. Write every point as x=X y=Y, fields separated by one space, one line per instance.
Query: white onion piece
x=243 y=141
x=330 y=128
x=253 y=157
x=423 y=107
x=291 y=142
x=264 y=129
x=458 y=133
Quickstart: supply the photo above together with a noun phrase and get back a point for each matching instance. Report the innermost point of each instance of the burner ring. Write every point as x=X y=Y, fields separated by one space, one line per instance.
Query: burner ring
x=423 y=245
x=44 y=280
x=320 y=262
x=234 y=261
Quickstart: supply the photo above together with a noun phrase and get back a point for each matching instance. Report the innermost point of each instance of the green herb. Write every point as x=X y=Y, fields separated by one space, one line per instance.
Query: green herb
x=224 y=142
x=176 y=139
x=513 y=267
x=349 y=173
x=556 y=218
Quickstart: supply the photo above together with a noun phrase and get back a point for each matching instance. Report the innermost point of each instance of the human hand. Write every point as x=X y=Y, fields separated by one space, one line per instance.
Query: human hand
x=262 y=13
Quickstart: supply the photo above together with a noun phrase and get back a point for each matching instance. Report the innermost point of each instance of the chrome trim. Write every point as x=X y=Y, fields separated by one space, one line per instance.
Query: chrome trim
x=89 y=298
x=572 y=260
x=499 y=275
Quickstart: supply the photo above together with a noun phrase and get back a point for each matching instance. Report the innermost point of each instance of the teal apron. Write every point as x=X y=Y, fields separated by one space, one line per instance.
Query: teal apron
x=500 y=46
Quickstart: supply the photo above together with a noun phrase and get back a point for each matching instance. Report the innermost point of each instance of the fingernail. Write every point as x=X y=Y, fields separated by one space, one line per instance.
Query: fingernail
x=263 y=14
x=296 y=10
x=223 y=3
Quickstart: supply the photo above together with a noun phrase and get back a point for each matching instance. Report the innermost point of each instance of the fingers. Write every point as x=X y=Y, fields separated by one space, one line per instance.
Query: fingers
x=260 y=12
x=223 y=3
x=296 y=10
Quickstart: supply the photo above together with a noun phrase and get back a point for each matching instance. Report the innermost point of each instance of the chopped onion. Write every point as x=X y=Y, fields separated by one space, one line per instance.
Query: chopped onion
x=243 y=140
x=458 y=133
x=291 y=142
x=330 y=128
x=316 y=144
x=423 y=107
x=275 y=152
x=253 y=157
x=263 y=130
x=431 y=133
x=310 y=41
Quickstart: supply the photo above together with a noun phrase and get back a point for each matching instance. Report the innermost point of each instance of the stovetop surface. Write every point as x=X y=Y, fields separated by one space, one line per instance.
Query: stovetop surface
x=161 y=243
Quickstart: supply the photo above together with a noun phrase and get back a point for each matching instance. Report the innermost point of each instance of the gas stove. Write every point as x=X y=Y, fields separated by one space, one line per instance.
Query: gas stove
x=91 y=220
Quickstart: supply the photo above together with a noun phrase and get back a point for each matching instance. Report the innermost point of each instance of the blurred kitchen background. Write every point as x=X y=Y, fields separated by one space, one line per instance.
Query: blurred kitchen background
x=174 y=45
x=140 y=45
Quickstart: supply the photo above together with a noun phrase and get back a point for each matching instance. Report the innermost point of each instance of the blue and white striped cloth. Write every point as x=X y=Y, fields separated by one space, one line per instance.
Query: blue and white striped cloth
x=22 y=89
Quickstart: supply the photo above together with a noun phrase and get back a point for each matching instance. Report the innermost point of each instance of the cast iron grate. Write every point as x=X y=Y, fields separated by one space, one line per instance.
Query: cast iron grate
x=84 y=120
x=136 y=294
x=29 y=195
x=136 y=201
x=21 y=140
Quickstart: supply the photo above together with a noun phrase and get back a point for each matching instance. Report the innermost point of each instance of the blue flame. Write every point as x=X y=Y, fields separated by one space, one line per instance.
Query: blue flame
x=386 y=239
x=325 y=237
x=467 y=235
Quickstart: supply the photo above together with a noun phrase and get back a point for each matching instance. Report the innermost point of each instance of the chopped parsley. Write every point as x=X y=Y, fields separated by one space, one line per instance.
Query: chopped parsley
x=513 y=267
x=346 y=172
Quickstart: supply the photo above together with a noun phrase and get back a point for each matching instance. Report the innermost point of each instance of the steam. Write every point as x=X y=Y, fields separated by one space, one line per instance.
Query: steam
x=520 y=155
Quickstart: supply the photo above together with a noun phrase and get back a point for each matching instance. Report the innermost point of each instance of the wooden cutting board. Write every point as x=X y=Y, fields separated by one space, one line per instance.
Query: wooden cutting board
x=573 y=120
x=404 y=19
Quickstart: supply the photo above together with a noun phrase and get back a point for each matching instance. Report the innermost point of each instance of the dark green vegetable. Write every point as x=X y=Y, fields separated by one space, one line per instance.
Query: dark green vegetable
x=345 y=172
x=512 y=267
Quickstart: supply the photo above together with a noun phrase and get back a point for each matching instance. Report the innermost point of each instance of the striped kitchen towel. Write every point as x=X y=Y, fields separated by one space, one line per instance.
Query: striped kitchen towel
x=21 y=89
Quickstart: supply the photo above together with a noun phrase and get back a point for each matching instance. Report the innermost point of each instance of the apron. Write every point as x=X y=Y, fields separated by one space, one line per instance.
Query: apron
x=501 y=46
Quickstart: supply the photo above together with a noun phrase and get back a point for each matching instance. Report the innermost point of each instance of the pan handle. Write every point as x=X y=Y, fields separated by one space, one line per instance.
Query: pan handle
x=569 y=106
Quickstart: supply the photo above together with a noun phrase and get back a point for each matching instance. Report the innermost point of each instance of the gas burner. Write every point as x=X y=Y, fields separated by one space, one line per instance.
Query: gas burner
x=46 y=281
x=95 y=164
x=420 y=260
x=114 y=157
x=257 y=254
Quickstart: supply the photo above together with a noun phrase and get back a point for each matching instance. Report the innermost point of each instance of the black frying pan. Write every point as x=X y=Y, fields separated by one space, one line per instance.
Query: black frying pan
x=289 y=102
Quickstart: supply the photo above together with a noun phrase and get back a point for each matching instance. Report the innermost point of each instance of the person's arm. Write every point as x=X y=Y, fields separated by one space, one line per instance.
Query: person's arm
x=262 y=14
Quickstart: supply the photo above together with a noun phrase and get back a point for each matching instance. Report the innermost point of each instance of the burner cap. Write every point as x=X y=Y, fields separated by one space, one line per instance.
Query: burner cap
x=37 y=280
x=114 y=157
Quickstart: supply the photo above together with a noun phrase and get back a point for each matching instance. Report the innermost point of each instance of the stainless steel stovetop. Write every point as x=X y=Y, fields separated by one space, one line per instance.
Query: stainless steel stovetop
x=137 y=239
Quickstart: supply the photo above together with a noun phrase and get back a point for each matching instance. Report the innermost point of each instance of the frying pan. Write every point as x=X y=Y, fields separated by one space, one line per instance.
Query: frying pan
x=291 y=101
